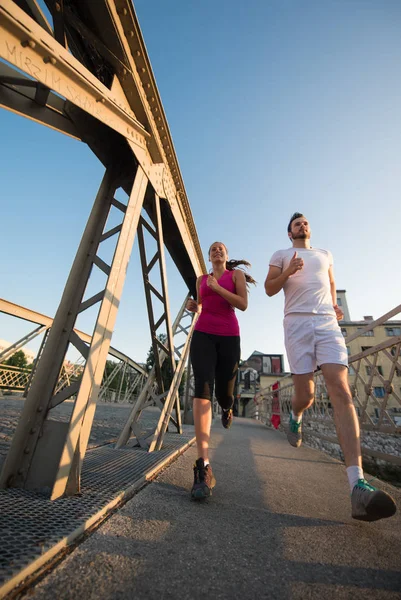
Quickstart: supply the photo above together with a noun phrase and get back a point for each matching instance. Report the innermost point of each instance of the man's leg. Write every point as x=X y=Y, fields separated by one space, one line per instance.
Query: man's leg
x=368 y=503
x=304 y=388
x=345 y=419
x=304 y=393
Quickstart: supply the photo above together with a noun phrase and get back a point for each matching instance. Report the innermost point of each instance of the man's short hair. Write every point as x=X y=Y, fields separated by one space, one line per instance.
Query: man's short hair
x=294 y=216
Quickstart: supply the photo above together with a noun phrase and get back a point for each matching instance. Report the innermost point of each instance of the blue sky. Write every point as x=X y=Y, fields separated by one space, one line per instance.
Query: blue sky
x=274 y=107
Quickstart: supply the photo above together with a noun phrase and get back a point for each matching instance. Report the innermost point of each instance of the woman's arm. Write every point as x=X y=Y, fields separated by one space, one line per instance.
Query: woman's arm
x=193 y=306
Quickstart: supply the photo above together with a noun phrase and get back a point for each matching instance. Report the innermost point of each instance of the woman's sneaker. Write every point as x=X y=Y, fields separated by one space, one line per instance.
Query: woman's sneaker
x=227 y=418
x=294 y=432
x=371 y=504
x=204 y=480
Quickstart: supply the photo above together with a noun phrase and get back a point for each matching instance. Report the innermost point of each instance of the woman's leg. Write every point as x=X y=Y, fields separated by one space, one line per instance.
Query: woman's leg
x=228 y=357
x=203 y=420
x=203 y=359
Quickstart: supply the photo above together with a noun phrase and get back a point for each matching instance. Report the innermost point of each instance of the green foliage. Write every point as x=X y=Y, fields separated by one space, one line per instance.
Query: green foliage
x=18 y=359
x=115 y=383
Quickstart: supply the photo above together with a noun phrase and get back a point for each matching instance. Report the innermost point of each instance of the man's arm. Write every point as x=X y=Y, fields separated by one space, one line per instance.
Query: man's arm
x=333 y=290
x=276 y=277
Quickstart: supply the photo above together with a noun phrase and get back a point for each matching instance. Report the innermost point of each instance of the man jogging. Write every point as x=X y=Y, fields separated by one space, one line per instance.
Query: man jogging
x=313 y=338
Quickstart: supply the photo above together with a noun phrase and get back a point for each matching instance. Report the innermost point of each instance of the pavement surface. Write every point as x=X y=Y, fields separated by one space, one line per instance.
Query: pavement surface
x=277 y=526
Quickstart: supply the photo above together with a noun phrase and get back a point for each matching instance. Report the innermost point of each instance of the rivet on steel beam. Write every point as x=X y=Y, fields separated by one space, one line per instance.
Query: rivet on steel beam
x=102 y=100
x=58 y=7
x=124 y=72
x=152 y=99
x=131 y=33
x=148 y=85
x=40 y=409
x=29 y=43
x=20 y=471
x=49 y=59
x=138 y=53
x=33 y=430
x=143 y=70
x=26 y=450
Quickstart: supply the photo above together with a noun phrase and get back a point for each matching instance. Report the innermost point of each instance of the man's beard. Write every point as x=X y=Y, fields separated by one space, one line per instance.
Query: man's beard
x=301 y=236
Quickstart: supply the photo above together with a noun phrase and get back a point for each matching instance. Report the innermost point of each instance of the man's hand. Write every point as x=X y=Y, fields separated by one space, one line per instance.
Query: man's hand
x=192 y=306
x=339 y=312
x=212 y=283
x=296 y=264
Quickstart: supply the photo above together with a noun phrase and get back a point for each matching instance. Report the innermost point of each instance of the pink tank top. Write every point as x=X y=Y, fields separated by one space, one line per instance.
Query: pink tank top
x=217 y=316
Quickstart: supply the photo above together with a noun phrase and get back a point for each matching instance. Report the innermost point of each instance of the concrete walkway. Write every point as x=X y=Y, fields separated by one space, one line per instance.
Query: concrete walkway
x=277 y=526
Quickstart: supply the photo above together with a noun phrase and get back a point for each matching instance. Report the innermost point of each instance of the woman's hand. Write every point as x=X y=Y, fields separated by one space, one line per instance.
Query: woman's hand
x=212 y=283
x=192 y=306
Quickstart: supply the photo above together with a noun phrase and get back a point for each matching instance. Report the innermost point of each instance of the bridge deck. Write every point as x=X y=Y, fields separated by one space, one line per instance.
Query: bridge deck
x=278 y=526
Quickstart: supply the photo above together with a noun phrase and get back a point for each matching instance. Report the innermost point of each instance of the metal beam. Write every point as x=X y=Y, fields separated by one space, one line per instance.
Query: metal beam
x=26 y=314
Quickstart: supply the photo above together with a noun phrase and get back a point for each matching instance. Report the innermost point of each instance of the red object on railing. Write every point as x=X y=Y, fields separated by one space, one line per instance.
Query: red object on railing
x=275 y=418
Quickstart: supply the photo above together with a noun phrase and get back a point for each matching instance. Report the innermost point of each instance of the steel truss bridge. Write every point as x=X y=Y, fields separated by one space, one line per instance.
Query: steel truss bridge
x=87 y=75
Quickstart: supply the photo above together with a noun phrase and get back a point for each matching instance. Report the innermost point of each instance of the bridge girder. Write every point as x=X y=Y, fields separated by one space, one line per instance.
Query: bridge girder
x=90 y=77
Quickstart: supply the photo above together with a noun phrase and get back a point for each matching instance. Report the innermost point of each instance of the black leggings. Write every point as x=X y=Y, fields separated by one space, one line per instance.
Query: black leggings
x=215 y=357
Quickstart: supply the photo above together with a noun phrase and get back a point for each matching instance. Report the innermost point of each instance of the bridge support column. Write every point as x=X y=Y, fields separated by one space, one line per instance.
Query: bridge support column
x=46 y=454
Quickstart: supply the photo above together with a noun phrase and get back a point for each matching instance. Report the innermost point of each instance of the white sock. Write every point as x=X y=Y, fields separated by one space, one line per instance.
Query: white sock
x=354 y=473
x=296 y=419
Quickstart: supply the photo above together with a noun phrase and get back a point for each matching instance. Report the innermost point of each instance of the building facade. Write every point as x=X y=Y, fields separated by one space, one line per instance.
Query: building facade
x=372 y=373
x=257 y=372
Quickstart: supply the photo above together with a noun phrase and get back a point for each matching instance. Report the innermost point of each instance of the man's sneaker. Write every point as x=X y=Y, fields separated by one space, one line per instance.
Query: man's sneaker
x=204 y=480
x=227 y=418
x=369 y=503
x=294 y=432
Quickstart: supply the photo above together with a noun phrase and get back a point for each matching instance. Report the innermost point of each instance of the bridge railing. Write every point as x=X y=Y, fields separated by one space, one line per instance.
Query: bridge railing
x=375 y=383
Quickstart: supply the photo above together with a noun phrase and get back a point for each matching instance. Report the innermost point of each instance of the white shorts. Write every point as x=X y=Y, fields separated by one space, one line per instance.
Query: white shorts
x=313 y=340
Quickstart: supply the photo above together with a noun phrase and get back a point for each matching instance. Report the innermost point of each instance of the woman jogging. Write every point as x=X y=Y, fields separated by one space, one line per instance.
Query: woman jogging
x=215 y=352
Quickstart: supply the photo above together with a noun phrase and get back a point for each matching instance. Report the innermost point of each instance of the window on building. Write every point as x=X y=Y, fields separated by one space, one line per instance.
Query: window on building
x=392 y=331
x=358 y=411
x=351 y=370
x=339 y=302
x=366 y=333
x=363 y=348
x=393 y=350
x=344 y=331
x=370 y=370
x=398 y=371
x=348 y=351
x=379 y=391
x=376 y=413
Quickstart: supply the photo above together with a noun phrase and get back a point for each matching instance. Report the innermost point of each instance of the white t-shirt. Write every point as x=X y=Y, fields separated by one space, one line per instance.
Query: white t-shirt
x=308 y=290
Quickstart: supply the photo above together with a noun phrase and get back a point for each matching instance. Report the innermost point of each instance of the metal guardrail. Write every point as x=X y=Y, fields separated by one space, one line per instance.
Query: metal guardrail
x=375 y=389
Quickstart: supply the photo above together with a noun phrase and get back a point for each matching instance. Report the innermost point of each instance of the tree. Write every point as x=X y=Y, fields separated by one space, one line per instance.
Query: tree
x=18 y=359
x=167 y=375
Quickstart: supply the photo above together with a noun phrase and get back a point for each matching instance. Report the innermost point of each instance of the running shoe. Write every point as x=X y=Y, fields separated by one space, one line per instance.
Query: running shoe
x=204 y=480
x=294 y=432
x=370 y=504
x=227 y=418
